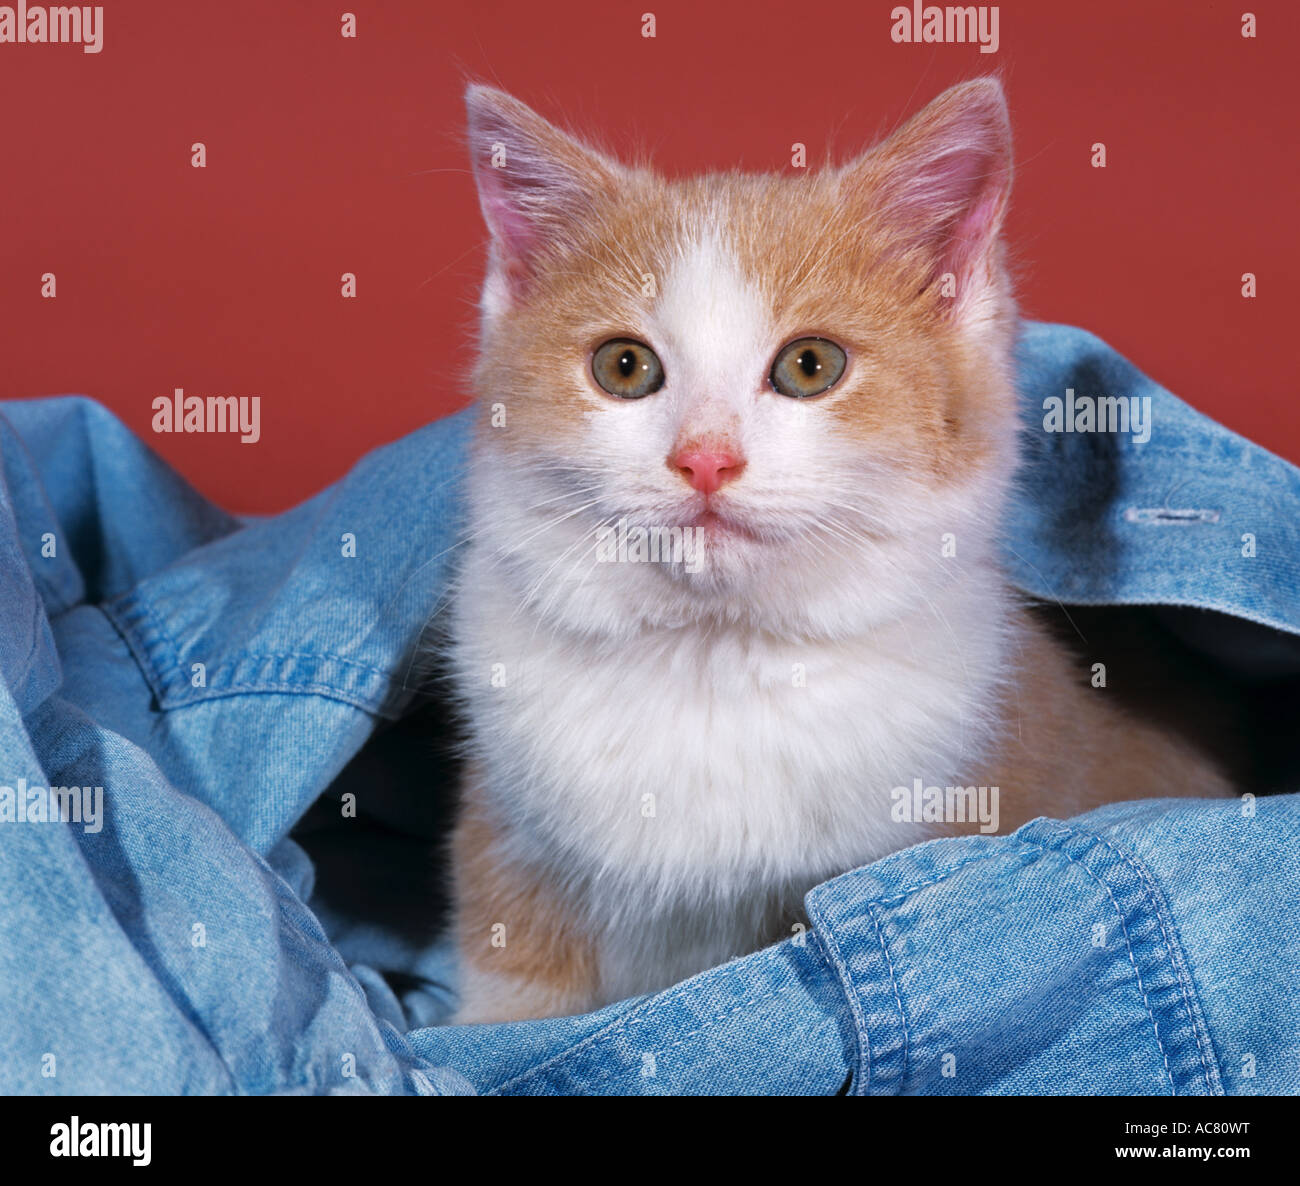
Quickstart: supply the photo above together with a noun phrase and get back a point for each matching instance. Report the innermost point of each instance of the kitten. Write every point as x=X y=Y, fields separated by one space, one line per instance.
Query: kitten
x=810 y=378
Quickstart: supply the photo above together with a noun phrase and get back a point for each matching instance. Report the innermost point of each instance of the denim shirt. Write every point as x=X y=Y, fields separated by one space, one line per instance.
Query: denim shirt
x=216 y=677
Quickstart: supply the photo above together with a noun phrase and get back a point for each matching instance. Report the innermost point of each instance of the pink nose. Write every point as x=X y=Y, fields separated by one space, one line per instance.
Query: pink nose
x=707 y=467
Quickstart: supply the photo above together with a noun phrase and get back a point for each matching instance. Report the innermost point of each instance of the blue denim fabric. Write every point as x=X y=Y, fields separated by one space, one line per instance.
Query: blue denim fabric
x=214 y=676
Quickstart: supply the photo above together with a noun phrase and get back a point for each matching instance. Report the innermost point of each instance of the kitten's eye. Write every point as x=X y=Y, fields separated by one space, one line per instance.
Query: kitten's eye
x=807 y=367
x=627 y=369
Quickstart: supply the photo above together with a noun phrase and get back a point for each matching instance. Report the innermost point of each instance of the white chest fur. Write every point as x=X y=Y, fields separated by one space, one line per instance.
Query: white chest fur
x=700 y=777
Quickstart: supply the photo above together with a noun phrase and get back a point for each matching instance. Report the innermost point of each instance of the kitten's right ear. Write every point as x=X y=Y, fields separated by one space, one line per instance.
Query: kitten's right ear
x=940 y=184
x=535 y=184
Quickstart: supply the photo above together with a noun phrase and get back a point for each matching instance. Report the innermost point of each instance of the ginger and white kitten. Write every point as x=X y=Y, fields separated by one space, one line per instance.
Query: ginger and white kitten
x=813 y=373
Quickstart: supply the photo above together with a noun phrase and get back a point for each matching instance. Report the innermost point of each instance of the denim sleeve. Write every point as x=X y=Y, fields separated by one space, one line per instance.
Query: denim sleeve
x=1145 y=948
x=156 y=938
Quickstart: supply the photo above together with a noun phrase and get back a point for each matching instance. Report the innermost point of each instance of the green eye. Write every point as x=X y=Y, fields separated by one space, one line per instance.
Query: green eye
x=807 y=367
x=627 y=368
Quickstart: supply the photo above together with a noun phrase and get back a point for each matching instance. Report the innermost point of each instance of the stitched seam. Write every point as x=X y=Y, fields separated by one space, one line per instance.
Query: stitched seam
x=1128 y=943
x=893 y=981
x=1174 y=949
x=130 y=637
x=1039 y=849
x=316 y=655
x=639 y=1013
x=332 y=690
x=169 y=673
x=174 y=666
x=601 y=1076
x=771 y=992
x=851 y=991
x=861 y=1037
x=1025 y=846
x=173 y=652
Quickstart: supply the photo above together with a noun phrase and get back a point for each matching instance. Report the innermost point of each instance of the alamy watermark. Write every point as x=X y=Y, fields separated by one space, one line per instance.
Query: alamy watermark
x=55 y=24
x=213 y=413
x=1106 y=413
x=617 y=543
x=951 y=24
x=86 y=1138
x=52 y=805
x=945 y=805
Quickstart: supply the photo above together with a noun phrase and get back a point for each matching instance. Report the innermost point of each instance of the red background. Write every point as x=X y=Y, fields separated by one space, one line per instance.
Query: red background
x=328 y=155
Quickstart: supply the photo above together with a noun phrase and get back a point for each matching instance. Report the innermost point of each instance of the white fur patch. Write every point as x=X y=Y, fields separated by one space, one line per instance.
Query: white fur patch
x=712 y=327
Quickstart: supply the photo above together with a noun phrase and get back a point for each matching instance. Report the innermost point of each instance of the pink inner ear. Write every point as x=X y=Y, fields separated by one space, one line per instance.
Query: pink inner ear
x=526 y=204
x=947 y=180
x=972 y=233
x=950 y=194
x=949 y=203
x=541 y=195
x=516 y=236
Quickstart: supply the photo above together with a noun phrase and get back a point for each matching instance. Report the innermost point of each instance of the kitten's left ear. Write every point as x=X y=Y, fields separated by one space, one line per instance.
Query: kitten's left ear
x=535 y=186
x=940 y=184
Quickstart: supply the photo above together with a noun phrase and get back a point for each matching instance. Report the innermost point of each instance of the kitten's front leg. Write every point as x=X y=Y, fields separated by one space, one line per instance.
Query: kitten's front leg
x=523 y=952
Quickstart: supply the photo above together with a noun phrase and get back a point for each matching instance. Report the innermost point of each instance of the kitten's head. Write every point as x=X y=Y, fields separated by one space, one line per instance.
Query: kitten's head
x=807 y=373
